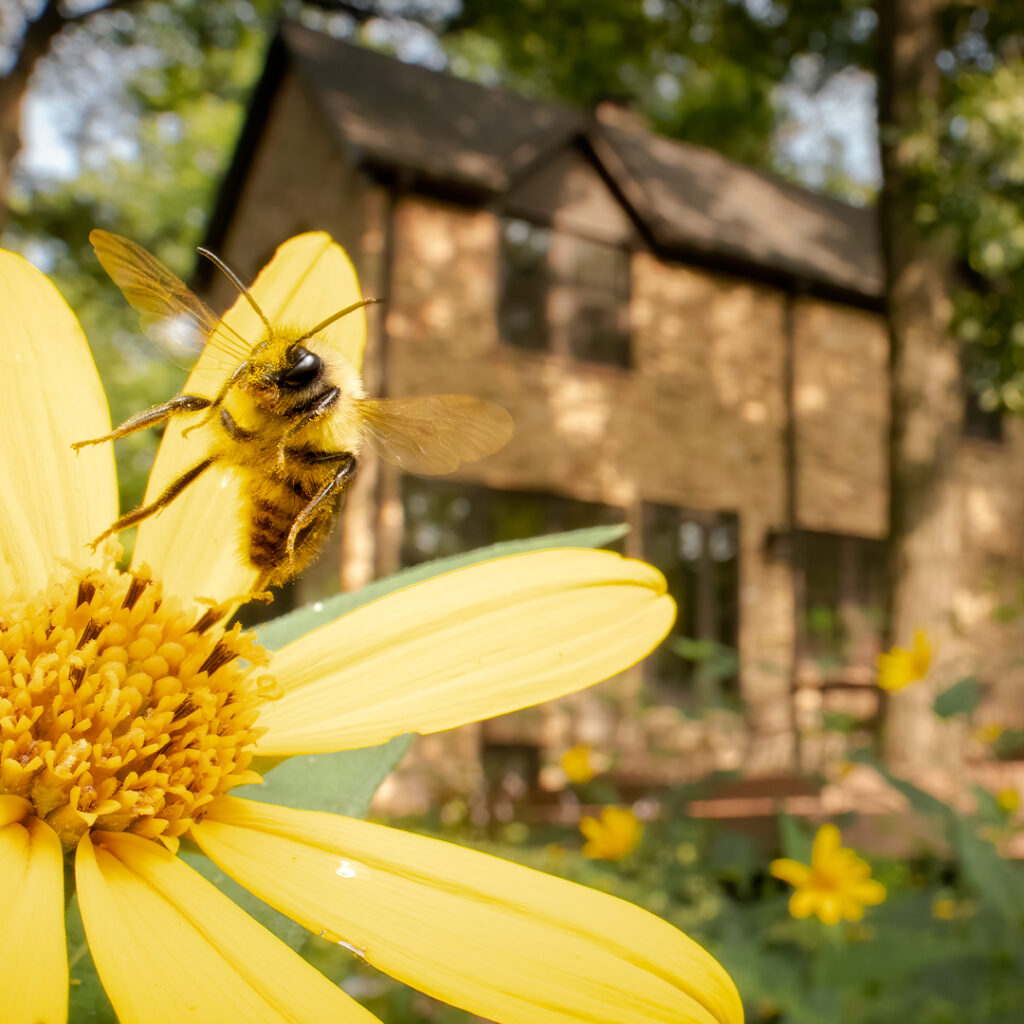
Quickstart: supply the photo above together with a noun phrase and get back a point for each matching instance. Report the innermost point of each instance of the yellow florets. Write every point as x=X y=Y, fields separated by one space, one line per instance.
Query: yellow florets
x=120 y=710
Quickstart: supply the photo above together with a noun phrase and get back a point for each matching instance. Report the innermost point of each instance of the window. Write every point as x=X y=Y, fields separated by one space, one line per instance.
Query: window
x=446 y=518
x=564 y=294
x=843 y=601
x=699 y=554
x=511 y=778
x=522 y=313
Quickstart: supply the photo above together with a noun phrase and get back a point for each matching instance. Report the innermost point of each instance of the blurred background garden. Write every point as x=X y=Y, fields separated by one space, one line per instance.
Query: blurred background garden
x=750 y=278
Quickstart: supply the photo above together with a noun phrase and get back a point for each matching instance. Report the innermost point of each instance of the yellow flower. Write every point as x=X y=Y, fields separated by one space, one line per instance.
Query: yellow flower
x=900 y=667
x=1008 y=799
x=612 y=837
x=578 y=763
x=987 y=732
x=128 y=712
x=837 y=885
x=943 y=908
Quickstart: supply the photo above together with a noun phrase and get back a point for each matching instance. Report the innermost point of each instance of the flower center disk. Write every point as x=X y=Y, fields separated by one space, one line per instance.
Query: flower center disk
x=120 y=709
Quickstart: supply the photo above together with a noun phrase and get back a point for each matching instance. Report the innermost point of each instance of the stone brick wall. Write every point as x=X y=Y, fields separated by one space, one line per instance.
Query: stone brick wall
x=727 y=372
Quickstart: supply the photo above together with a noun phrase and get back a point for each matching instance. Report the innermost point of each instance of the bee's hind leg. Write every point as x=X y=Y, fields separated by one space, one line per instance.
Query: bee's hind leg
x=150 y=418
x=340 y=480
x=169 y=493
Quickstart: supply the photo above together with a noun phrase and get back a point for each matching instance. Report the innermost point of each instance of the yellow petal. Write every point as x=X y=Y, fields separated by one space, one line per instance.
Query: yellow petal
x=33 y=956
x=827 y=843
x=791 y=871
x=829 y=908
x=921 y=655
x=52 y=501
x=464 y=646
x=894 y=669
x=500 y=940
x=578 y=763
x=803 y=903
x=195 y=544
x=851 y=909
x=170 y=948
x=13 y=808
x=869 y=893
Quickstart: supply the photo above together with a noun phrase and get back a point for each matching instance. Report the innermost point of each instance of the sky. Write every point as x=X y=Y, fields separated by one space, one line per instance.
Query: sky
x=834 y=125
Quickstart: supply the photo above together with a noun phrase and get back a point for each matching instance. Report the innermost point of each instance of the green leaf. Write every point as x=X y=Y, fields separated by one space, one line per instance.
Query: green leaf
x=998 y=882
x=694 y=650
x=283 y=630
x=960 y=699
x=795 y=839
x=986 y=805
x=87 y=1001
x=1010 y=745
x=341 y=783
x=922 y=802
x=839 y=721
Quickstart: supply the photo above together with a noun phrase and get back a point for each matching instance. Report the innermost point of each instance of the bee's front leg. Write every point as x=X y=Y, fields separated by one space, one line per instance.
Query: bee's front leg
x=169 y=493
x=150 y=418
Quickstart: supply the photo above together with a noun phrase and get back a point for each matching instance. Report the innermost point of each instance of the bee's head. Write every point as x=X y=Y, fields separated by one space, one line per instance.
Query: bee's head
x=283 y=375
x=300 y=369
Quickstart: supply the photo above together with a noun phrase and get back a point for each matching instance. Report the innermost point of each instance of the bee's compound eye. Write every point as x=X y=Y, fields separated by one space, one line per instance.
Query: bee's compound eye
x=303 y=370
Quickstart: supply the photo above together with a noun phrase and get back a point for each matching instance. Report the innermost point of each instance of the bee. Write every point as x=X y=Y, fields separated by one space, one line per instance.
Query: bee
x=292 y=417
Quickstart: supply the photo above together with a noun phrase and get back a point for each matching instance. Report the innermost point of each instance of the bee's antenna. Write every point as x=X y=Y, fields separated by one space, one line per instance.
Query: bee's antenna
x=233 y=278
x=337 y=316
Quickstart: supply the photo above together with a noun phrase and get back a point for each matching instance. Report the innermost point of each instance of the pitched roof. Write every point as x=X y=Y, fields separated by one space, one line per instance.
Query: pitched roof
x=432 y=129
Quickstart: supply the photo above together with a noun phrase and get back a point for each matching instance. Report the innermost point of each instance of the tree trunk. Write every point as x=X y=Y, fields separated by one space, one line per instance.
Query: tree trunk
x=927 y=391
x=35 y=43
x=13 y=86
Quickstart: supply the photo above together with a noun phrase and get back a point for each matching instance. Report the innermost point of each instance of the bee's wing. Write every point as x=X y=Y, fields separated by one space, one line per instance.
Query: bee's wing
x=171 y=315
x=435 y=433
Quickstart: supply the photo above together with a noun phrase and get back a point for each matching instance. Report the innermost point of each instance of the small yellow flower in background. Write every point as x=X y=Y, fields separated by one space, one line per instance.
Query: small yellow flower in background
x=943 y=908
x=578 y=763
x=900 y=667
x=836 y=886
x=613 y=836
x=129 y=711
x=987 y=733
x=1008 y=799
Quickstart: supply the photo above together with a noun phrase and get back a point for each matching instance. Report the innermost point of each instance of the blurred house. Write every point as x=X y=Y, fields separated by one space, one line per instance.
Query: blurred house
x=686 y=346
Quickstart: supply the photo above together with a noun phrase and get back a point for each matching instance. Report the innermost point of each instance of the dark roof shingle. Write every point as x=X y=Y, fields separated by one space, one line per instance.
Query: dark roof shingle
x=690 y=202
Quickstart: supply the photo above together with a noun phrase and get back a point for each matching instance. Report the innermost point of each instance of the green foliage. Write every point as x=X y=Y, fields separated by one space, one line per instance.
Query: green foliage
x=959 y=699
x=969 y=162
x=714 y=665
x=700 y=71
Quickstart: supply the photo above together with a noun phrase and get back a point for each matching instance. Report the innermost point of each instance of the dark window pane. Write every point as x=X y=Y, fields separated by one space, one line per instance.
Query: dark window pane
x=446 y=518
x=843 y=602
x=522 y=306
x=592 y=284
x=699 y=554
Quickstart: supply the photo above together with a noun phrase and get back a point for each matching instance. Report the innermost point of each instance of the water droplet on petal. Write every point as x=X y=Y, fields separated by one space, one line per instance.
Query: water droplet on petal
x=359 y=951
x=346 y=869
